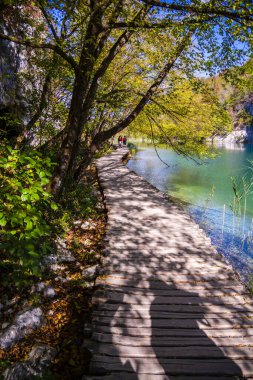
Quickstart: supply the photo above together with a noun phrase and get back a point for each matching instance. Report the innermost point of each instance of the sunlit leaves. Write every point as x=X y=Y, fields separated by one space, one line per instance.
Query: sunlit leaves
x=23 y=209
x=184 y=118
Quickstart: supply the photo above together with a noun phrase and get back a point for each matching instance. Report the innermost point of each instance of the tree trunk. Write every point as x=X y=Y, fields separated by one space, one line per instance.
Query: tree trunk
x=72 y=136
x=76 y=117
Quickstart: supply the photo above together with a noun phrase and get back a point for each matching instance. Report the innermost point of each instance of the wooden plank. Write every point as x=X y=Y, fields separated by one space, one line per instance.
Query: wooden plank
x=145 y=299
x=178 y=279
x=135 y=244
x=172 y=323
x=185 y=249
x=156 y=332
x=173 y=341
x=146 y=314
x=156 y=283
x=209 y=308
x=133 y=376
x=178 y=366
x=186 y=270
x=161 y=264
x=158 y=262
x=207 y=352
x=169 y=291
x=175 y=276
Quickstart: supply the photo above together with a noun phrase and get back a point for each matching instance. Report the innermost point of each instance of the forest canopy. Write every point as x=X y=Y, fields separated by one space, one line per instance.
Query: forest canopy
x=93 y=68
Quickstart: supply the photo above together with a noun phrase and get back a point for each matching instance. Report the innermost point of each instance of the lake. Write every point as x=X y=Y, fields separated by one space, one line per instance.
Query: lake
x=206 y=191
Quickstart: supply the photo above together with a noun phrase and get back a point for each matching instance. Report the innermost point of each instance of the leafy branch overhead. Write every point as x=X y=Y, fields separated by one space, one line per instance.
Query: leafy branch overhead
x=109 y=60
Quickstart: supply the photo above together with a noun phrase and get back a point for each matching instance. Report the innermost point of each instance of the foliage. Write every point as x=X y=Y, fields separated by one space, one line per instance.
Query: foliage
x=107 y=61
x=234 y=89
x=184 y=119
x=25 y=210
x=132 y=147
x=78 y=202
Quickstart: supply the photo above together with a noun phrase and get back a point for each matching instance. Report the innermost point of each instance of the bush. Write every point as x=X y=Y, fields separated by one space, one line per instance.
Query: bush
x=24 y=210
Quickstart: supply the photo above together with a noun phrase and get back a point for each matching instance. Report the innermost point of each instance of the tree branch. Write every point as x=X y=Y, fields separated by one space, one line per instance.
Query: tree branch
x=161 y=25
x=204 y=9
x=153 y=140
x=57 y=49
x=121 y=41
x=105 y=135
x=171 y=143
x=49 y=22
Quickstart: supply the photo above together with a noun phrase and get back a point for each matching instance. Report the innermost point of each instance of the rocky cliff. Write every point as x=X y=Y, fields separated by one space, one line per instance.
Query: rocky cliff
x=17 y=89
x=238 y=99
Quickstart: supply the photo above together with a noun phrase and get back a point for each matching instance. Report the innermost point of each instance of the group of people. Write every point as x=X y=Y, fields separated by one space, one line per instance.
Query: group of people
x=122 y=141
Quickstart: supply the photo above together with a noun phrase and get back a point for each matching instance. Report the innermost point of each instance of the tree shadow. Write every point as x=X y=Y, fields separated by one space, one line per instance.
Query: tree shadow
x=162 y=332
x=185 y=332
x=169 y=306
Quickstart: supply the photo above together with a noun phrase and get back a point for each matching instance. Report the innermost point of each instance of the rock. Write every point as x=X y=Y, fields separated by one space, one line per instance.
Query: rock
x=42 y=355
x=49 y=292
x=12 y=302
x=4 y=325
x=90 y=273
x=61 y=279
x=9 y=311
x=85 y=225
x=23 y=323
x=50 y=259
x=95 y=193
x=56 y=267
x=63 y=254
x=77 y=222
x=40 y=286
x=89 y=285
x=99 y=206
x=35 y=367
x=18 y=371
x=66 y=257
x=60 y=243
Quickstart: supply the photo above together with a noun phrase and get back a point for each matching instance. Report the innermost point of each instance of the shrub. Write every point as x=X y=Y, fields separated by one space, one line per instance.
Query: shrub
x=24 y=210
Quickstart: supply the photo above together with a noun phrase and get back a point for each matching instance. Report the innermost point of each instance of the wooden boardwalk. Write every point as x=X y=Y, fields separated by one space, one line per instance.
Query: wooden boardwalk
x=168 y=307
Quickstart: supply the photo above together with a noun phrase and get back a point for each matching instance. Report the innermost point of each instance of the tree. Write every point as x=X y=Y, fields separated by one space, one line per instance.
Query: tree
x=95 y=37
x=184 y=118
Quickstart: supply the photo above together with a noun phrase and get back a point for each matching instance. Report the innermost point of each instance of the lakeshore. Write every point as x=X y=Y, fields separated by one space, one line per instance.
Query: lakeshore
x=206 y=192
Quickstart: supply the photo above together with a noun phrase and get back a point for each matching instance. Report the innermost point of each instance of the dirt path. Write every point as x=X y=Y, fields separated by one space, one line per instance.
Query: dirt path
x=168 y=306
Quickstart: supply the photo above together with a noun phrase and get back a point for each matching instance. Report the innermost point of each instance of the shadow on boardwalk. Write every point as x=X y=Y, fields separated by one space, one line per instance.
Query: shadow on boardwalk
x=162 y=332
x=168 y=307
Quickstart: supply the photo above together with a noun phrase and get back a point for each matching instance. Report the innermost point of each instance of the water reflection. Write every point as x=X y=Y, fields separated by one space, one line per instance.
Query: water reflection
x=206 y=189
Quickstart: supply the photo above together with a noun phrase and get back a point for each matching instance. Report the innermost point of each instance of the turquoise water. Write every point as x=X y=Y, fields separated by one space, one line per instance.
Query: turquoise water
x=207 y=193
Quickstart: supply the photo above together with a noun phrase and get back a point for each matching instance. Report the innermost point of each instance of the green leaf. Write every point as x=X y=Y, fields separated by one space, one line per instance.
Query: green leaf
x=3 y=222
x=42 y=174
x=33 y=254
x=35 y=197
x=54 y=206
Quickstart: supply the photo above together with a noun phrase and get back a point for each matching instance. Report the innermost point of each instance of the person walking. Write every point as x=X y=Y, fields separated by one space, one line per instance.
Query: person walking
x=124 y=140
x=120 y=141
